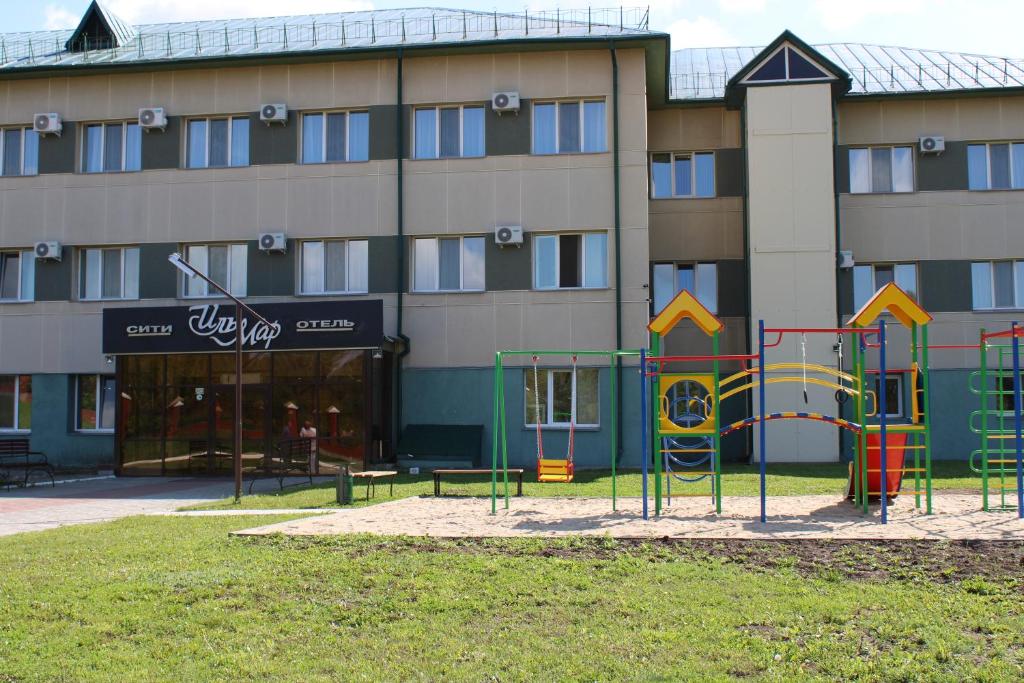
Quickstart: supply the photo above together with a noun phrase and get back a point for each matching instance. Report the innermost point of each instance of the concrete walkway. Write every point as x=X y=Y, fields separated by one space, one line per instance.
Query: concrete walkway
x=103 y=499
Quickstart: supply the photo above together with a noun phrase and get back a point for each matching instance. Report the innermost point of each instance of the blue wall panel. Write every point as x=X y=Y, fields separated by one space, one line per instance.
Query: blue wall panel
x=53 y=428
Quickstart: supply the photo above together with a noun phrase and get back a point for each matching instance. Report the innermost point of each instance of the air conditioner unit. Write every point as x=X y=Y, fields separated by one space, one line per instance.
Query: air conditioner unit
x=48 y=251
x=505 y=235
x=47 y=124
x=152 y=118
x=846 y=260
x=273 y=242
x=932 y=144
x=274 y=113
x=505 y=101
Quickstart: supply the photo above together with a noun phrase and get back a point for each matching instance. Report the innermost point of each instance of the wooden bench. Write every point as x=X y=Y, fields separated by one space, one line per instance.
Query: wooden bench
x=291 y=458
x=371 y=477
x=15 y=455
x=439 y=473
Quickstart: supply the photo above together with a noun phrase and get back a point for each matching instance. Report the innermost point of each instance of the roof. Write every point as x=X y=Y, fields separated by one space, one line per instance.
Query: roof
x=893 y=300
x=685 y=305
x=702 y=73
x=343 y=31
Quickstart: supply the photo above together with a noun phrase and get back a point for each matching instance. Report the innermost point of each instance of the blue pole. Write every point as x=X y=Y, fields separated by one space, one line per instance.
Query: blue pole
x=1016 y=421
x=643 y=423
x=884 y=484
x=761 y=386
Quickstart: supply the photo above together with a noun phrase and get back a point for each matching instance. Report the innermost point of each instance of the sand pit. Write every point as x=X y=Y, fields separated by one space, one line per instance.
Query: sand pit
x=956 y=517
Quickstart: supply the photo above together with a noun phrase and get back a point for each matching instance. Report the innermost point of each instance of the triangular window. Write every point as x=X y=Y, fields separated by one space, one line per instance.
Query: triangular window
x=786 y=64
x=99 y=30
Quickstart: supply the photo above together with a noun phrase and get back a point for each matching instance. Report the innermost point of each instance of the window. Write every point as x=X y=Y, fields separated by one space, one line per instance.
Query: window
x=329 y=137
x=108 y=273
x=787 y=64
x=216 y=143
x=893 y=395
x=700 y=279
x=868 y=279
x=569 y=261
x=111 y=148
x=448 y=264
x=995 y=166
x=882 y=169
x=997 y=284
x=562 y=395
x=94 y=403
x=569 y=127
x=445 y=132
x=225 y=264
x=334 y=266
x=19 y=151
x=15 y=403
x=17 y=276
x=683 y=175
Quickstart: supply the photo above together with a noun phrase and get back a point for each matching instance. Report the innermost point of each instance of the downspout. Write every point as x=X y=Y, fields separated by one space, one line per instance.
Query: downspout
x=617 y=238
x=839 y=243
x=400 y=220
x=746 y=250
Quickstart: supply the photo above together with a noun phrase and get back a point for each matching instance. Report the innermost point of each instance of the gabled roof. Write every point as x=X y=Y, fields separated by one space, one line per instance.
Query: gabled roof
x=702 y=73
x=786 y=40
x=897 y=302
x=102 y=27
x=685 y=305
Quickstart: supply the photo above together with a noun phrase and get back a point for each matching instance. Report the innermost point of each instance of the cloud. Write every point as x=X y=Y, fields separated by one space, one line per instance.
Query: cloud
x=842 y=14
x=742 y=6
x=160 y=11
x=57 y=17
x=699 y=32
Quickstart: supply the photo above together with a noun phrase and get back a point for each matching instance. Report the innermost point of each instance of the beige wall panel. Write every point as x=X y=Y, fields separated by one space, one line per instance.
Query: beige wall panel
x=591 y=198
x=236 y=209
x=362 y=83
x=545 y=205
x=158 y=222
x=543 y=74
x=125 y=218
x=309 y=86
x=355 y=205
x=426 y=212
x=27 y=98
x=508 y=198
x=590 y=72
x=309 y=209
x=508 y=322
x=425 y=326
x=635 y=259
x=956 y=118
x=632 y=128
x=274 y=86
x=273 y=204
x=664 y=129
x=632 y=72
x=21 y=210
x=5 y=101
x=505 y=71
x=693 y=128
x=129 y=93
x=548 y=325
x=593 y=326
x=470 y=199
x=469 y=333
x=469 y=79
x=423 y=80
x=194 y=92
x=634 y=205
x=237 y=90
x=191 y=209
x=696 y=235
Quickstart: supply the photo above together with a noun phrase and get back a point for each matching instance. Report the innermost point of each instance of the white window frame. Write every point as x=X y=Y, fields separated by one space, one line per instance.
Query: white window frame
x=437 y=265
x=916 y=293
x=230 y=118
x=17 y=407
x=348 y=267
x=437 y=130
x=1010 y=144
x=558 y=119
x=549 y=405
x=1014 y=265
x=558 y=261
x=103 y=125
x=348 y=136
x=82 y=293
x=892 y=169
x=693 y=265
x=205 y=285
x=788 y=79
x=889 y=377
x=693 y=174
x=25 y=130
x=98 y=378
x=25 y=256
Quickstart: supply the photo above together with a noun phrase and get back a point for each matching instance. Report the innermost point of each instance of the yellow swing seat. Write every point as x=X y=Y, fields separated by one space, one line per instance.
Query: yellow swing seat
x=554 y=471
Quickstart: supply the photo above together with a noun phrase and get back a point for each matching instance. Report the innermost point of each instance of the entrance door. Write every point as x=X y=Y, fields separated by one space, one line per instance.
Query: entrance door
x=255 y=427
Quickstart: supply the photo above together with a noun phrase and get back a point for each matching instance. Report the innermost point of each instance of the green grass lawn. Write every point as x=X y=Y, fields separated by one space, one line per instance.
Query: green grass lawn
x=178 y=599
x=737 y=480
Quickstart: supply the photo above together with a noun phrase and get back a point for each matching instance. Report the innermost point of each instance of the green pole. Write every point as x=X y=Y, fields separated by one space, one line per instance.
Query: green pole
x=914 y=358
x=925 y=382
x=504 y=430
x=655 y=425
x=983 y=365
x=614 y=440
x=495 y=427
x=717 y=478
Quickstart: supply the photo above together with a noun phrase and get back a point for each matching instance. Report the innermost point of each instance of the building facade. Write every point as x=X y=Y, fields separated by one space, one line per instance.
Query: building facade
x=633 y=172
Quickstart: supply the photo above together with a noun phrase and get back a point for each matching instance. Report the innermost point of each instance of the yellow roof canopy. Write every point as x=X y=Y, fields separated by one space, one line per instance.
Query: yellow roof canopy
x=685 y=305
x=897 y=302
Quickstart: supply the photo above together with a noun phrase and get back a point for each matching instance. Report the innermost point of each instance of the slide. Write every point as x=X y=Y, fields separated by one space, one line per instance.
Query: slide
x=895 y=443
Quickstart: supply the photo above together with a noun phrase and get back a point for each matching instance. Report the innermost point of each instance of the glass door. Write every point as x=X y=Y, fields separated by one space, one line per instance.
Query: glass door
x=255 y=427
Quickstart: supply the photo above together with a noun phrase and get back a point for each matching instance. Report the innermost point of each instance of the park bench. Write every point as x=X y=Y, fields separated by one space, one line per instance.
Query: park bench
x=15 y=455
x=291 y=458
x=371 y=477
x=457 y=472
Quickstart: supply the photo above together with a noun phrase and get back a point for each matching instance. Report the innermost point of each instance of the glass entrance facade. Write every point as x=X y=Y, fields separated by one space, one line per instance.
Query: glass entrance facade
x=176 y=411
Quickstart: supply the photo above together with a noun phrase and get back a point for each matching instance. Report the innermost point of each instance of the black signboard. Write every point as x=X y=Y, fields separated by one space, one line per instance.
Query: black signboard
x=209 y=327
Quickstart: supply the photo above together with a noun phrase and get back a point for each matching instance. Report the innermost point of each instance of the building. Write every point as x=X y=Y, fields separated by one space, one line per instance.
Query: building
x=347 y=175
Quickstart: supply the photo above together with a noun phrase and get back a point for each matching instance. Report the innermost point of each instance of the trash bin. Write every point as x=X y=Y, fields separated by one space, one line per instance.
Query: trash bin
x=345 y=486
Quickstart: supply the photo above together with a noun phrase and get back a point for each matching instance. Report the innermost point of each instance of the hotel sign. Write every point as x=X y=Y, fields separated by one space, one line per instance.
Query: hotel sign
x=211 y=327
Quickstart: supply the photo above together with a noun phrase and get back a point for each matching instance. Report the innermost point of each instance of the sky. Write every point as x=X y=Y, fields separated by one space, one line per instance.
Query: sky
x=990 y=27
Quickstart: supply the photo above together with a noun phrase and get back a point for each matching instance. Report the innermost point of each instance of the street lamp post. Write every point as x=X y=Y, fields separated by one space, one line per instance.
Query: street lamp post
x=191 y=271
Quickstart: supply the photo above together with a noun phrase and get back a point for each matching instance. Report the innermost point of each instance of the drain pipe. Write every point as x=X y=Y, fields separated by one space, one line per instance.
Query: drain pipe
x=618 y=251
x=400 y=220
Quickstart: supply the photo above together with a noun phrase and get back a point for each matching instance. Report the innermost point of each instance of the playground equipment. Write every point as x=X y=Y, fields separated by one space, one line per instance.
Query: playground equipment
x=548 y=469
x=998 y=421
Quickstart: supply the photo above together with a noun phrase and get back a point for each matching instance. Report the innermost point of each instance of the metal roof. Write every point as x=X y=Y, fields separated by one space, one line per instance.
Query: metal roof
x=702 y=73
x=417 y=27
